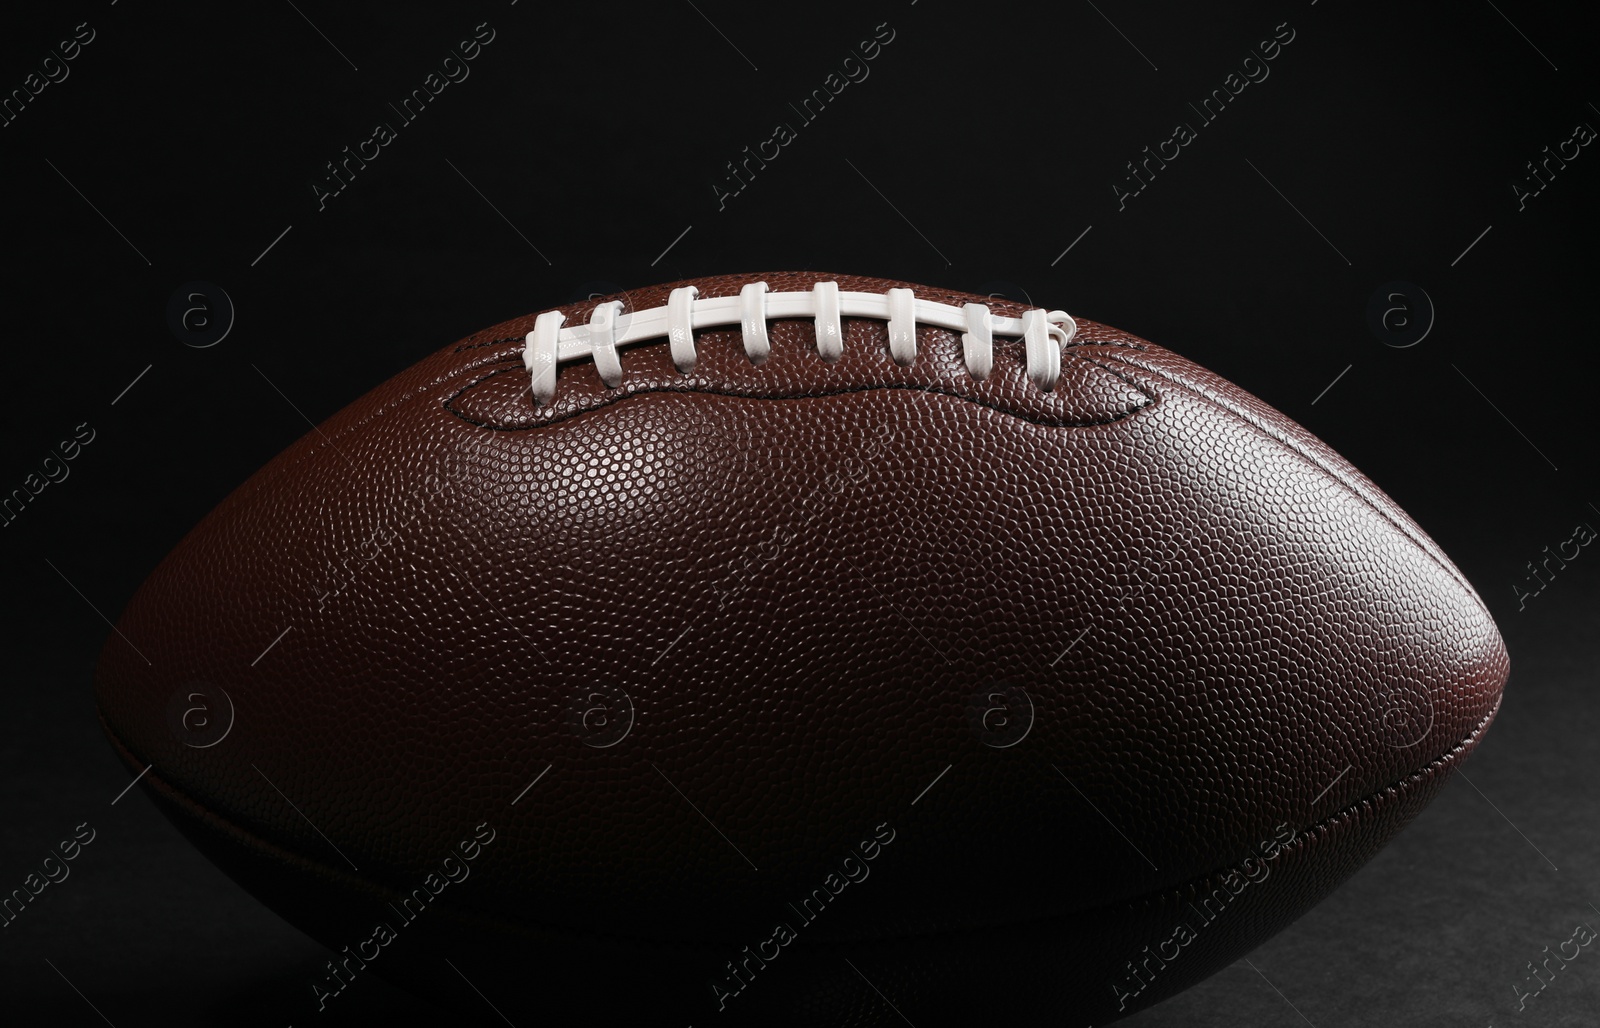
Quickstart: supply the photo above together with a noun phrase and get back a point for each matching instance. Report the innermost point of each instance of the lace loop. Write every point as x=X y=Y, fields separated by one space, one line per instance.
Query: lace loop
x=541 y=353
x=977 y=343
x=680 y=327
x=753 y=321
x=603 y=342
x=830 y=335
x=1043 y=353
x=902 y=326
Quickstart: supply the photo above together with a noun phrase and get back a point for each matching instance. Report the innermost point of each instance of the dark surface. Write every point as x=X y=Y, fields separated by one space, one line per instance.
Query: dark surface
x=979 y=148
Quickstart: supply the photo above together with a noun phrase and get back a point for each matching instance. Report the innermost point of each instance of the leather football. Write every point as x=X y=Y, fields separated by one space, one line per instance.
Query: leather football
x=798 y=649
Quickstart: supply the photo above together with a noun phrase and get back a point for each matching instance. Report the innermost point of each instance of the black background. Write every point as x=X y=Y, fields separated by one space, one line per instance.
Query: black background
x=581 y=155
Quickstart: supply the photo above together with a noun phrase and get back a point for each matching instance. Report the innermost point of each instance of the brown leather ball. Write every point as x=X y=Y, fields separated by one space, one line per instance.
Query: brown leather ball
x=801 y=691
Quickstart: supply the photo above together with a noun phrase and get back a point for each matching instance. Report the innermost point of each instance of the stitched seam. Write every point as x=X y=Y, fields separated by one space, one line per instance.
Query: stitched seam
x=1333 y=474
x=493 y=342
x=1454 y=754
x=1169 y=895
x=1081 y=340
x=323 y=440
x=1078 y=340
x=450 y=402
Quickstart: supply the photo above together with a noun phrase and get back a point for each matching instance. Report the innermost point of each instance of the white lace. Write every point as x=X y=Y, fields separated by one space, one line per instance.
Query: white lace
x=1043 y=333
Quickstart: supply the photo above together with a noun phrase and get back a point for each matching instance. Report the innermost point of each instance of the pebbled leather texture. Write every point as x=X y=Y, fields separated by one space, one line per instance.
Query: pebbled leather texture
x=736 y=627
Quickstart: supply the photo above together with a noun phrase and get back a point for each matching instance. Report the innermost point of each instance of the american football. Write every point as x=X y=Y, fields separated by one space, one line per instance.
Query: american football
x=799 y=649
